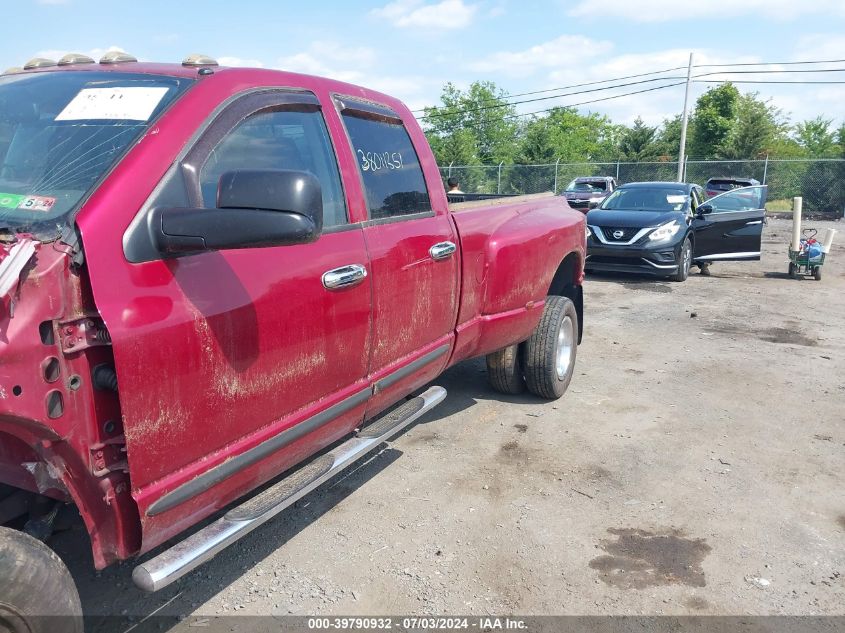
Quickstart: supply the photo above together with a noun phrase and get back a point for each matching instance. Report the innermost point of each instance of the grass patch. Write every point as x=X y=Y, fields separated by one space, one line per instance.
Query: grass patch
x=780 y=206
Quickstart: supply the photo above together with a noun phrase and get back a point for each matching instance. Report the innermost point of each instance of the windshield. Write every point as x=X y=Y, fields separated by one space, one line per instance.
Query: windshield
x=588 y=186
x=60 y=133
x=647 y=199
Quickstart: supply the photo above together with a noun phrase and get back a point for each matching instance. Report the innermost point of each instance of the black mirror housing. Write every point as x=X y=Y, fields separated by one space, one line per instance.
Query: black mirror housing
x=704 y=209
x=255 y=209
x=272 y=190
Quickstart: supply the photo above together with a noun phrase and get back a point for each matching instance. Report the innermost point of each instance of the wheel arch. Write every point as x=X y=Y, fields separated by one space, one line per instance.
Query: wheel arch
x=567 y=283
x=53 y=468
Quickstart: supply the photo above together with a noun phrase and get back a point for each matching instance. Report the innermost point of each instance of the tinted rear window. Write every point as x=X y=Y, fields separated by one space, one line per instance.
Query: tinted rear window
x=393 y=179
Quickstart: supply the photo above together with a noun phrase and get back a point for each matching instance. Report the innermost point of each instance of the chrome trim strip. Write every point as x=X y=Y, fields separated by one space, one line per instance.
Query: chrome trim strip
x=731 y=255
x=411 y=368
x=754 y=222
x=597 y=231
x=201 y=546
x=661 y=266
x=214 y=476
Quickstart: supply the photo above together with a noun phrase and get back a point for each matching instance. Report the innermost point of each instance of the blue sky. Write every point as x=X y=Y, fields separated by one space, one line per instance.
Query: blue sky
x=410 y=48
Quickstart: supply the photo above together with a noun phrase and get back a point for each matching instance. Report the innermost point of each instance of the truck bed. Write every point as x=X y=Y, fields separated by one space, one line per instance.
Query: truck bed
x=456 y=207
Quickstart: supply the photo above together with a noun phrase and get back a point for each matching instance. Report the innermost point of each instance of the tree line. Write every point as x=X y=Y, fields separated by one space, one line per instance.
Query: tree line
x=480 y=127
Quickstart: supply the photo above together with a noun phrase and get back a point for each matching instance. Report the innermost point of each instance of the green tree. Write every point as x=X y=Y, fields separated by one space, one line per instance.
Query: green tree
x=669 y=139
x=567 y=135
x=757 y=128
x=639 y=142
x=473 y=126
x=817 y=138
x=712 y=120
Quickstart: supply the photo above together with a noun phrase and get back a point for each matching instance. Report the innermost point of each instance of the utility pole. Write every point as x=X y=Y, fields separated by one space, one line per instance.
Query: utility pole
x=684 y=120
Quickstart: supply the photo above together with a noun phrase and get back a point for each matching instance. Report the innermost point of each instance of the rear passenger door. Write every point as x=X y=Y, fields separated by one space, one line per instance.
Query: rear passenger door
x=413 y=253
x=730 y=226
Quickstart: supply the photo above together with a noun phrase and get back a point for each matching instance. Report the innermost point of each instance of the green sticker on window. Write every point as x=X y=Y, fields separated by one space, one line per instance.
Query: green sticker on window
x=10 y=200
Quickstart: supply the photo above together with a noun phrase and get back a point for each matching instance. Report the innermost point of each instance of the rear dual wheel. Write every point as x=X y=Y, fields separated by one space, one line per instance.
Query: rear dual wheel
x=545 y=362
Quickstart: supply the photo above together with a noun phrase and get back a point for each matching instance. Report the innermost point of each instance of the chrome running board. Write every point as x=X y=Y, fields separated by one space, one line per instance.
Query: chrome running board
x=187 y=555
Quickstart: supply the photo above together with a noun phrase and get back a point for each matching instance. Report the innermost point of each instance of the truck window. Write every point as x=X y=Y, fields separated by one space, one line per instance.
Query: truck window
x=389 y=166
x=281 y=139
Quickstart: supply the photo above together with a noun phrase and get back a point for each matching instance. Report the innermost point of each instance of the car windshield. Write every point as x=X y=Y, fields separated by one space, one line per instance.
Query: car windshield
x=647 y=199
x=588 y=186
x=61 y=132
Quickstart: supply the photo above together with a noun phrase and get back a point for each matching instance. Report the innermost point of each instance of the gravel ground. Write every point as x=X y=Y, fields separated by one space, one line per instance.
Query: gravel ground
x=694 y=467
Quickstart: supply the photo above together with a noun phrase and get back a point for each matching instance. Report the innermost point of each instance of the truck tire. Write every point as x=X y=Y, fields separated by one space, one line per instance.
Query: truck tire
x=504 y=370
x=549 y=355
x=37 y=594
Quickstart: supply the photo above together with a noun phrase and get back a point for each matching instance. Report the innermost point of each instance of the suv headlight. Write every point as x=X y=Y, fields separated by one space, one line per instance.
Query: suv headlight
x=665 y=231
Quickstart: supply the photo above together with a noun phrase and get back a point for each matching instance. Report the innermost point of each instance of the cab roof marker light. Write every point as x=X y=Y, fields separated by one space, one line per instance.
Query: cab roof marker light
x=38 y=62
x=75 y=58
x=14 y=70
x=198 y=59
x=117 y=57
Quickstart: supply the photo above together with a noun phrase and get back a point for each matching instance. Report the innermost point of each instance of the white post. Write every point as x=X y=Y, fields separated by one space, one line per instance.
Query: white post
x=556 y=164
x=499 y=188
x=450 y=168
x=684 y=121
x=796 y=222
x=765 y=169
x=617 y=171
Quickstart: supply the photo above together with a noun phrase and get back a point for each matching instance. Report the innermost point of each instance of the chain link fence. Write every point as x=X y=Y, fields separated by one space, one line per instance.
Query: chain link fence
x=821 y=182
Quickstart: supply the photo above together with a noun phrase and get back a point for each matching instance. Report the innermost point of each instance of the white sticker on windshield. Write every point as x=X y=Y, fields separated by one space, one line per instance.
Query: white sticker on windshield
x=124 y=104
x=676 y=199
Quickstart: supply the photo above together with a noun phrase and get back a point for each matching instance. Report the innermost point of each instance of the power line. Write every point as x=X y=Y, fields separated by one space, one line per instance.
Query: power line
x=815 y=61
x=589 y=83
x=765 y=81
x=438 y=115
x=506 y=103
x=774 y=72
x=572 y=105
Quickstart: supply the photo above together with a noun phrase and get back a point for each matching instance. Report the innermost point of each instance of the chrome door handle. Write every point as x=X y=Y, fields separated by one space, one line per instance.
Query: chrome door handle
x=442 y=250
x=344 y=277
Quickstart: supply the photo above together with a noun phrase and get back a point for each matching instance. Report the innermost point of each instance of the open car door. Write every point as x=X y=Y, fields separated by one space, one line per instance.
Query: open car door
x=730 y=226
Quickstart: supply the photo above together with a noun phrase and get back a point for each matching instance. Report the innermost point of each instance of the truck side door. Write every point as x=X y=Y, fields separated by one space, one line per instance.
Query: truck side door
x=413 y=251
x=729 y=226
x=235 y=365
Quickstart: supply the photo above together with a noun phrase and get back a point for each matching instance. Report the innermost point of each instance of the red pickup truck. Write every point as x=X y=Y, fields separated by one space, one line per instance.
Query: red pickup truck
x=213 y=276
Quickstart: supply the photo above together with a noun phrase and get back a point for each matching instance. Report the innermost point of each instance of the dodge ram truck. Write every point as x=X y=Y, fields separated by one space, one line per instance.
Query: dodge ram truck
x=222 y=286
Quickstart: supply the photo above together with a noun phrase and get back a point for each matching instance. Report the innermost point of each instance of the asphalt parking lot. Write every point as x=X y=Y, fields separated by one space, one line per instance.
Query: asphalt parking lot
x=694 y=467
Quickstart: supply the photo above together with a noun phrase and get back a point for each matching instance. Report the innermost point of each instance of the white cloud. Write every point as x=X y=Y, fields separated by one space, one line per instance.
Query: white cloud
x=447 y=14
x=330 y=59
x=668 y=10
x=562 y=51
x=239 y=62
x=357 y=65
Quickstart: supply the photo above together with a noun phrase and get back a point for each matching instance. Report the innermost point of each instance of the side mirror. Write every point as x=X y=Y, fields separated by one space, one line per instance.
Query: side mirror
x=592 y=204
x=255 y=208
x=704 y=209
